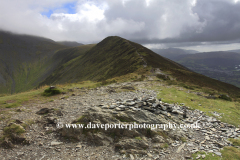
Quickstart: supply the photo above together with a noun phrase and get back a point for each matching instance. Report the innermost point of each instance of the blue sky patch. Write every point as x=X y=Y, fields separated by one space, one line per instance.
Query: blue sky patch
x=48 y=14
x=69 y=8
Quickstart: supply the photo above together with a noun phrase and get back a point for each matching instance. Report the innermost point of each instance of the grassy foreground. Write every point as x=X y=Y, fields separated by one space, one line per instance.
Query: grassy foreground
x=228 y=153
x=15 y=100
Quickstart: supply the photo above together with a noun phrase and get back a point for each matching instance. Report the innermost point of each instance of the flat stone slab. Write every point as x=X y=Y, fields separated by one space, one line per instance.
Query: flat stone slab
x=56 y=143
x=218 y=153
x=180 y=148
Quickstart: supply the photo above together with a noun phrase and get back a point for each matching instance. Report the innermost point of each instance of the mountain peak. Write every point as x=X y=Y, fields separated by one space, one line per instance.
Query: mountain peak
x=47 y=62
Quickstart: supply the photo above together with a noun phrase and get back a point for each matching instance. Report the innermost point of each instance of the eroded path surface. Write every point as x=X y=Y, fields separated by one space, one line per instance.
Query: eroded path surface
x=116 y=103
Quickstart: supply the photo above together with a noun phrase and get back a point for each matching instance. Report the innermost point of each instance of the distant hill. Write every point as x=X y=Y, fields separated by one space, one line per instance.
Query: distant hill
x=173 y=53
x=69 y=43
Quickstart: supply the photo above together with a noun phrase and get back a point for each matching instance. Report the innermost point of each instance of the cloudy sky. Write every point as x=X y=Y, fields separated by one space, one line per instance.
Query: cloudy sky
x=202 y=25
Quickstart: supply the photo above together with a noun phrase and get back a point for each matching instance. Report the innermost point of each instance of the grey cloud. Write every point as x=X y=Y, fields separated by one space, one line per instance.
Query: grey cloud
x=162 y=18
x=222 y=20
x=162 y=21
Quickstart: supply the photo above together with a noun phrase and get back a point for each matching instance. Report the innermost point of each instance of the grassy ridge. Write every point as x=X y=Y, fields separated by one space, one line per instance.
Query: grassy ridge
x=110 y=58
x=115 y=56
x=47 y=62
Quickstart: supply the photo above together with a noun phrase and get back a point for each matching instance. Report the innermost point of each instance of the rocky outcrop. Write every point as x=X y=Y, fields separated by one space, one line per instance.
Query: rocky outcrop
x=13 y=134
x=211 y=135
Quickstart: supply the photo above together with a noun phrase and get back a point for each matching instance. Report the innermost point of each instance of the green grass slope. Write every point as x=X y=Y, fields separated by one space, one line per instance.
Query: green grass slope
x=25 y=61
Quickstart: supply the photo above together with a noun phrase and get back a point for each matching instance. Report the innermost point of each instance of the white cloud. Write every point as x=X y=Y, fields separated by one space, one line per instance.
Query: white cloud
x=97 y=19
x=119 y=26
x=156 y=46
x=212 y=47
x=91 y=12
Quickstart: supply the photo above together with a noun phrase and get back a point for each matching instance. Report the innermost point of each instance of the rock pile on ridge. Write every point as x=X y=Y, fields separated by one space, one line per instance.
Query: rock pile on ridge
x=210 y=137
x=123 y=103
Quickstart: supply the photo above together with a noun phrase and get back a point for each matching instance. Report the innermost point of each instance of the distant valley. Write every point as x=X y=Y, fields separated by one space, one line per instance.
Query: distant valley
x=221 y=65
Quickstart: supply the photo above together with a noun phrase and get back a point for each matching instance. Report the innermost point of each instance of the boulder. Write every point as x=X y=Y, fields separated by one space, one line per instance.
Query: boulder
x=44 y=111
